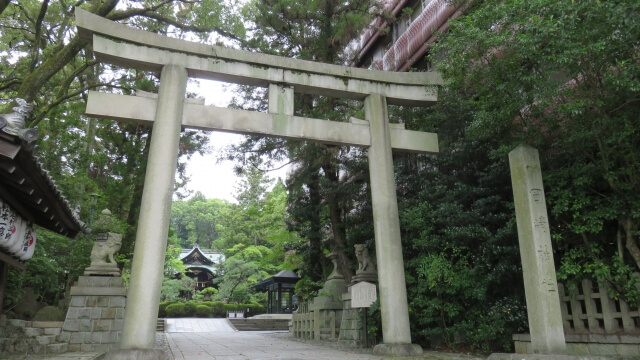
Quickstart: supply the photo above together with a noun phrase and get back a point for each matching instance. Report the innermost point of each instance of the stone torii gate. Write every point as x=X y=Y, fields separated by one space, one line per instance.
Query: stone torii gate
x=169 y=112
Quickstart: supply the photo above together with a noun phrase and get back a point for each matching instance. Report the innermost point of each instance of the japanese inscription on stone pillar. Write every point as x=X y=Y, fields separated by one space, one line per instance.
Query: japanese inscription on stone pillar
x=541 y=288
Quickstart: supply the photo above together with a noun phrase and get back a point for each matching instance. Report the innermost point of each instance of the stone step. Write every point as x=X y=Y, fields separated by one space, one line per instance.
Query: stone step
x=160 y=325
x=260 y=324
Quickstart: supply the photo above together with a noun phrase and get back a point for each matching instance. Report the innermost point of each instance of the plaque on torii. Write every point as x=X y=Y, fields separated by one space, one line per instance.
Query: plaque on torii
x=169 y=112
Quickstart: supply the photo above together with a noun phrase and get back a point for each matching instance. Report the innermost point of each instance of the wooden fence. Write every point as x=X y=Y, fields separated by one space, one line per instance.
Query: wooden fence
x=589 y=309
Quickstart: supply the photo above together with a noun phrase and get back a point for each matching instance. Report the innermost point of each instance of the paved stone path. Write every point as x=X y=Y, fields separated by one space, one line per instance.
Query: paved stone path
x=191 y=325
x=248 y=345
x=216 y=339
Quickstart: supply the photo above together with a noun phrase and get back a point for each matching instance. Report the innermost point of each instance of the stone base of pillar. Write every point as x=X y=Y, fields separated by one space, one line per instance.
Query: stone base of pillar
x=135 y=354
x=499 y=356
x=368 y=277
x=352 y=331
x=397 y=349
x=95 y=317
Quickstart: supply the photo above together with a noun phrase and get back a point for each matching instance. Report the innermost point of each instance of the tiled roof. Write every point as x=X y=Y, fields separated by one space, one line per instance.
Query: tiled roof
x=29 y=189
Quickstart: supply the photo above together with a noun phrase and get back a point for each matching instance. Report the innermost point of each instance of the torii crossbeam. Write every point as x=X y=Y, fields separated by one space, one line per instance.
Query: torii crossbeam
x=169 y=112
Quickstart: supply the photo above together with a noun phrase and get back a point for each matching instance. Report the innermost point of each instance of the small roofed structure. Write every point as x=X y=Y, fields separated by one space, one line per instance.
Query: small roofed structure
x=28 y=195
x=201 y=265
x=280 y=288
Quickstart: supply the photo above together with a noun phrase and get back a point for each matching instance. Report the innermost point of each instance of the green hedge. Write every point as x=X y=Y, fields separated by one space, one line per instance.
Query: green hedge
x=204 y=311
x=176 y=310
x=214 y=309
x=162 y=309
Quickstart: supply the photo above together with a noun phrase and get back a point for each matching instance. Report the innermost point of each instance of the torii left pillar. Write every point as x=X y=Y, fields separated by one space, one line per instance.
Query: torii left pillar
x=141 y=314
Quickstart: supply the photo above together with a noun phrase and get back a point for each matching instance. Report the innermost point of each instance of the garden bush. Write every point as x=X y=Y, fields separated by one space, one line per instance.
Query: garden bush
x=204 y=311
x=218 y=309
x=190 y=308
x=214 y=309
x=255 y=309
x=162 y=309
x=176 y=310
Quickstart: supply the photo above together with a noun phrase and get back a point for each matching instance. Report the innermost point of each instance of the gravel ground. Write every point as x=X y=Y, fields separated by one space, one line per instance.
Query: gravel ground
x=161 y=343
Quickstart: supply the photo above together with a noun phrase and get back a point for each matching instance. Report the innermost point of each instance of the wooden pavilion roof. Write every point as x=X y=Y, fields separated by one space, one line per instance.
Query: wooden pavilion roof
x=29 y=189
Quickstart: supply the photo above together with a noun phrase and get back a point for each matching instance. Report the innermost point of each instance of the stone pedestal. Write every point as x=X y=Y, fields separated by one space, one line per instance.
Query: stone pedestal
x=352 y=331
x=107 y=269
x=95 y=317
x=327 y=308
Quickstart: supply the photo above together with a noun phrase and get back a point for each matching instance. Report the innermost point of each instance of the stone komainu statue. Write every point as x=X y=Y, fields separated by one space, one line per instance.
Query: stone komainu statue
x=365 y=264
x=106 y=248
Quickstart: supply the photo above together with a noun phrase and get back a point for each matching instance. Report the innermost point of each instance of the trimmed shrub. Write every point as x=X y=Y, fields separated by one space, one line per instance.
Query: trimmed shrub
x=218 y=309
x=162 y=309
x=190 y=308
x=203 y=311
x=255 y=309
x=49 y=313
x=176 y=310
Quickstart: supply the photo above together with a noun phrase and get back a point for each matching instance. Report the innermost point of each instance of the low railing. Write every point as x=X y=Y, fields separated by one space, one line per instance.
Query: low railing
x=302 y=322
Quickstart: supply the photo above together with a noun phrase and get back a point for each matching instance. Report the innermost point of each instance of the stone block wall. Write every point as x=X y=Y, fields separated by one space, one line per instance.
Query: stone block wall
x=30 y=337
x=95 y=318
x=352 y=330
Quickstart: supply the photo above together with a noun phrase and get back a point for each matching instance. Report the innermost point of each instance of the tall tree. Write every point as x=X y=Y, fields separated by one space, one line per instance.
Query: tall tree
x=97 y=163
x=319 y=31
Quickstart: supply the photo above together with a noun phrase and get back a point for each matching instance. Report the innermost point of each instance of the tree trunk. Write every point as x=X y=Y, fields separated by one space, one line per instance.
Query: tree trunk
x=338 y=239
x=631 y=244
x=129 y=239
x=3 y=5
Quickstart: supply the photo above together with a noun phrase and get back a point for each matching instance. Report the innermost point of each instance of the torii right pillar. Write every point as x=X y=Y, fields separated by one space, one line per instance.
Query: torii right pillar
x=396 y=335
x=538 y=269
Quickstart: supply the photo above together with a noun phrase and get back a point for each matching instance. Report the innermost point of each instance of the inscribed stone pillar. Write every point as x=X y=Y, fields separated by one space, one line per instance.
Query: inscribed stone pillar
x=153 y=224
x=540 y=285
x=386 y=224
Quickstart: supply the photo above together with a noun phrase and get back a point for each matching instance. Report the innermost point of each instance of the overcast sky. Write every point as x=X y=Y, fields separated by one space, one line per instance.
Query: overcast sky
x=216 y=181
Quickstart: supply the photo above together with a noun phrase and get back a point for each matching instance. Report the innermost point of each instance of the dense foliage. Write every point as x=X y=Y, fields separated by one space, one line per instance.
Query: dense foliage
x=251 y=233
x=96 y=163
x=561 y=76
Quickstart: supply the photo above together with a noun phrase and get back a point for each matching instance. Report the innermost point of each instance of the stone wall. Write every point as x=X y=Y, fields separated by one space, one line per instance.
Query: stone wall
x=95 y=318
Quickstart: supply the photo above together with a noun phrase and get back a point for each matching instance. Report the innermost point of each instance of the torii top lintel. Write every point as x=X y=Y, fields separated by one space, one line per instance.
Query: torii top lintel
x=122 y=45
